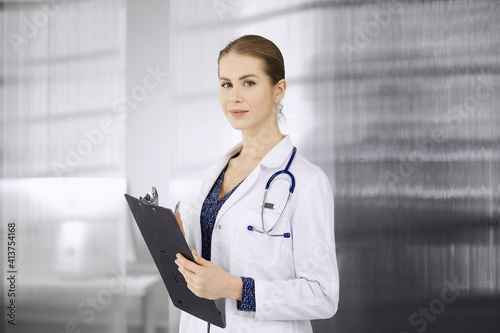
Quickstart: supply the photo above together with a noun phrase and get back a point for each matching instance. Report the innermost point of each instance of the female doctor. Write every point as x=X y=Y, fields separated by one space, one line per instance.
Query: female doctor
x=269 y=263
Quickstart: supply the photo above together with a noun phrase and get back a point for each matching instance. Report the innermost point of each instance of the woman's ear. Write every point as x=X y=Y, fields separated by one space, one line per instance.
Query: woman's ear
x=279 y=91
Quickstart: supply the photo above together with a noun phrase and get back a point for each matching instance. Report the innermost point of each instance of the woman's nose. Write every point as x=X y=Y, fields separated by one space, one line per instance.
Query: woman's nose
x=235 y=95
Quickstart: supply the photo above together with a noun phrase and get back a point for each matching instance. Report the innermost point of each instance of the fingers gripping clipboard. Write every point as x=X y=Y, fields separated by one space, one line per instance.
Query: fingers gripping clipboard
x=164 y=239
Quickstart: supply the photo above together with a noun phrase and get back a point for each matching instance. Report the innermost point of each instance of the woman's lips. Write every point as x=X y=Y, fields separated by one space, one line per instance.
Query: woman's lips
x=237 y=112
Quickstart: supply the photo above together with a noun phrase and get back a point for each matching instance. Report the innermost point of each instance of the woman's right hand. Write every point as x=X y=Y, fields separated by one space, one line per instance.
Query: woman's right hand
x=179 y=221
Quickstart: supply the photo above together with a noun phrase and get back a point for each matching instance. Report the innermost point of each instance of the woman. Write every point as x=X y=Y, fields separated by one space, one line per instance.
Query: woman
x=264 y=282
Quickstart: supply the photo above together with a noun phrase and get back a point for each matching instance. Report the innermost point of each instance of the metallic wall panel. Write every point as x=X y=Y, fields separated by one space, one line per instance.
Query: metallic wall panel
x=409 y=107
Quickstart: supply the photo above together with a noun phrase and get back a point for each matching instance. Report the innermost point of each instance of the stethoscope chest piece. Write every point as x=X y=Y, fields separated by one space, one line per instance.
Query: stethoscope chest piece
x=285 y=235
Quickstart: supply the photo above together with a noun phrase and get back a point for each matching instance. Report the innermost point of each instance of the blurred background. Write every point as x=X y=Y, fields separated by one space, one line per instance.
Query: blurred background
x=397 y=101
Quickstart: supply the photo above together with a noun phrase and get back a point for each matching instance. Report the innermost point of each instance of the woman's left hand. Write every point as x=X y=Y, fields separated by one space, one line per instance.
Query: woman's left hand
x=208 y=280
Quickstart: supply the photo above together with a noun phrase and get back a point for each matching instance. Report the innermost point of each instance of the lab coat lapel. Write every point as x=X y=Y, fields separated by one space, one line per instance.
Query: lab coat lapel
x=238 y=193
x=209 y=178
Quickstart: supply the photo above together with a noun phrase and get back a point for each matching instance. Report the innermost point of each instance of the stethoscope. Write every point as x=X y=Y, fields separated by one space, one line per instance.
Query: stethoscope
x=268 y=185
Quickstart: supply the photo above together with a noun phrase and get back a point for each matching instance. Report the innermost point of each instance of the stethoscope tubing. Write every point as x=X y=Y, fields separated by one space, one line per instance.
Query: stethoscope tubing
x=268 y=185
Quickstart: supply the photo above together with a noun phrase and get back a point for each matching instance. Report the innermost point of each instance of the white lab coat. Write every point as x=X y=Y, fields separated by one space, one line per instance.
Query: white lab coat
x=296 y=278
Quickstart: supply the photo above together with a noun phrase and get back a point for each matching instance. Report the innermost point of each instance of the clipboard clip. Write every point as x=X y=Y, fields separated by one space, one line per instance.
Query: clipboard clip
x=151 y=197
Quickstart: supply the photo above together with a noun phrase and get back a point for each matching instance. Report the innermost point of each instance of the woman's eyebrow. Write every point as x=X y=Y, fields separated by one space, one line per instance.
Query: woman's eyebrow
x=241 y=77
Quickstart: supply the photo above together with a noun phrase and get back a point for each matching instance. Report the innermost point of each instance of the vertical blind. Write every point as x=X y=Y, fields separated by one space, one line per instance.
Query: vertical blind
x=62 y=152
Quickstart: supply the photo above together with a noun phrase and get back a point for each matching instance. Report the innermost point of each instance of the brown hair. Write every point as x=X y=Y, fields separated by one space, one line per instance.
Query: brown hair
x=261 y=48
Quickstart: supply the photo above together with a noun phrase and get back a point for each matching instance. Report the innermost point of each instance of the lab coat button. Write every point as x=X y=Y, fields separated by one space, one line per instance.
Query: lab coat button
x=220 y=226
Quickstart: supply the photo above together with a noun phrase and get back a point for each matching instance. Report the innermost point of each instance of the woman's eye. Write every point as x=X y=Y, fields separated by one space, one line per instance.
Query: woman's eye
x=226 y=85
x=249 y=83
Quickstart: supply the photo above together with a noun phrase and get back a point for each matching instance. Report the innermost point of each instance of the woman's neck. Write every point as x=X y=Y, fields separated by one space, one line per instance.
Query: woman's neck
x=256 y=144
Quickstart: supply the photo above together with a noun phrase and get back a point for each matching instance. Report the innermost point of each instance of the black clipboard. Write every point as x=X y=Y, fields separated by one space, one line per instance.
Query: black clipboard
x=164 y=239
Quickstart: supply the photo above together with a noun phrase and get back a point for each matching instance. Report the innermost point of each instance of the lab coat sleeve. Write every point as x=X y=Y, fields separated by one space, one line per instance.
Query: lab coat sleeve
x=314 y=293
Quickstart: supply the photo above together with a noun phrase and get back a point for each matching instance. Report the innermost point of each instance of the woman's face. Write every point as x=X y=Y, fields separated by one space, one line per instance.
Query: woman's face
x=246 y=95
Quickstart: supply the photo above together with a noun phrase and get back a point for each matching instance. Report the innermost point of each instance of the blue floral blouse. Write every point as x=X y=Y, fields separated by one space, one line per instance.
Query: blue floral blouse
x=209 y=211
